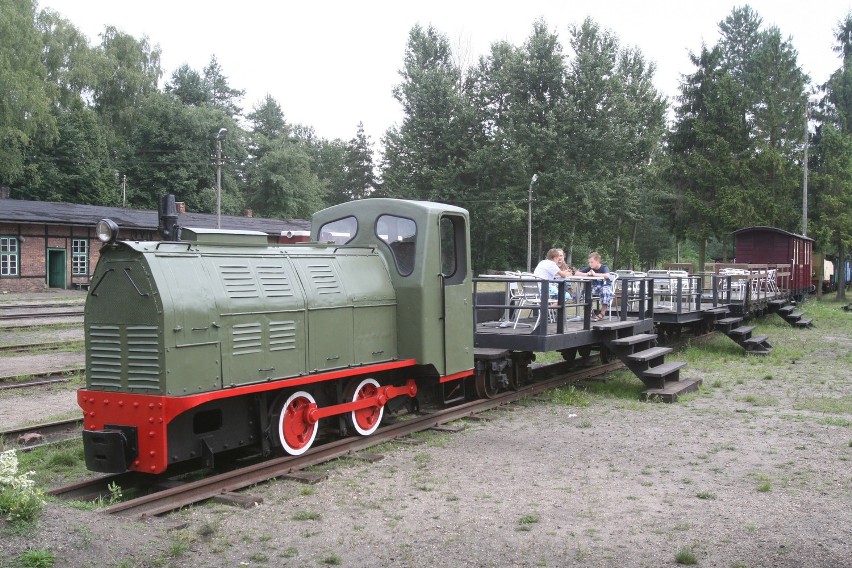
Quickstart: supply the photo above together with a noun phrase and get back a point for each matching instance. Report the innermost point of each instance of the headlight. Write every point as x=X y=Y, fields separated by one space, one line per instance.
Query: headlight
x=107 y=231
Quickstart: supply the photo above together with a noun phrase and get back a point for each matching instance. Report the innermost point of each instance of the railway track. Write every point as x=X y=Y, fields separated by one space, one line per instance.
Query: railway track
x=5 y=316
x=44 y=434
x=183 y=494
x=44 y=346
x=39 y=379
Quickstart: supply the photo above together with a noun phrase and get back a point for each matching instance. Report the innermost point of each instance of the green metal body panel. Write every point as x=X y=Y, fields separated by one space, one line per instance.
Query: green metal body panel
x=434 y=314
x=223 y=310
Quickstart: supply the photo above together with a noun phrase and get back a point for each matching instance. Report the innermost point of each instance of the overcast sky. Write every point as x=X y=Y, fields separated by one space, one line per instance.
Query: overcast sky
x=332 y=64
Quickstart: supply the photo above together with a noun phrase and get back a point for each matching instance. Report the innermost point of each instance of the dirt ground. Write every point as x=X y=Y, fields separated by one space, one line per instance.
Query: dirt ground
x=753 y=471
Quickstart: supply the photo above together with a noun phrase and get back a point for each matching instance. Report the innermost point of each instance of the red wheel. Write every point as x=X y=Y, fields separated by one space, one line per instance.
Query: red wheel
x=366 y=420
x=295 y=433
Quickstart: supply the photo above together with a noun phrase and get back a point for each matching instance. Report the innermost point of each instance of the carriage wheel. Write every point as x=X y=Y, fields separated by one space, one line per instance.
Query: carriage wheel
x=569 y=354
x=512 y=373
x=485 y=387
x=365 y=420
x=295 y=433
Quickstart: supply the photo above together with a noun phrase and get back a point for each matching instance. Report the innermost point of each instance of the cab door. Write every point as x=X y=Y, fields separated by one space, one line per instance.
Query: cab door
x=457 y=292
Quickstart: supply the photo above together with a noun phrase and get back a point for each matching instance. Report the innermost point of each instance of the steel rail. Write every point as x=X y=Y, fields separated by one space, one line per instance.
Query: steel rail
x=47 y=346
x=35 y=315
x=37 y=379
x=193 y=492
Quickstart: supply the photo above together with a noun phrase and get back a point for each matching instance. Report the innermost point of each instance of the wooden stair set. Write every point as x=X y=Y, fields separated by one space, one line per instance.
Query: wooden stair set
x=640 y=354
x=790 y=314
x=742 y=335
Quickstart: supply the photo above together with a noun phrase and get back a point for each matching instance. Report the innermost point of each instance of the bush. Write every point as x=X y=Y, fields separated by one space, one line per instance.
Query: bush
x=20 y=500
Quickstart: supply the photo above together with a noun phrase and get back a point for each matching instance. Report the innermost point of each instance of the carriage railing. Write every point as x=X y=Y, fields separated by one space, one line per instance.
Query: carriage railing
x=557 y=309
x=753 y=282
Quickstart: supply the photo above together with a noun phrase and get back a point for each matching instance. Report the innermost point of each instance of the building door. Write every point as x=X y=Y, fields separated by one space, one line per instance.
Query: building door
x=56 y=268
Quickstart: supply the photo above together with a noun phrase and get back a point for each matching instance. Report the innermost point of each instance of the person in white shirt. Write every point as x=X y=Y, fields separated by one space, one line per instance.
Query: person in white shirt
x=551 y=268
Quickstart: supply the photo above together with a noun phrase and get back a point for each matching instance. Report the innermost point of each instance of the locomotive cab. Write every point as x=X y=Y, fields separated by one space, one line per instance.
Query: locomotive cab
x=425 y=247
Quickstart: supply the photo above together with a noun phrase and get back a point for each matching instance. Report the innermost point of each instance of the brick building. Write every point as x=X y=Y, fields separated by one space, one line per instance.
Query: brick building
x=54 y=245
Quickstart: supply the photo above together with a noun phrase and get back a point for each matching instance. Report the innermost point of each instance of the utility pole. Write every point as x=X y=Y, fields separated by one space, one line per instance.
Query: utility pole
x=805 y=177
x=529 y=224
x=219 y=137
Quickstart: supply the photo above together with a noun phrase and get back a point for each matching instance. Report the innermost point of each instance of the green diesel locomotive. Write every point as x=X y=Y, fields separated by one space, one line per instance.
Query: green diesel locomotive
x=211 y=340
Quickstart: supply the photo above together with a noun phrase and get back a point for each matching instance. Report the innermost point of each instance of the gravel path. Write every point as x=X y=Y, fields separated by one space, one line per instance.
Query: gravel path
x=753 y=471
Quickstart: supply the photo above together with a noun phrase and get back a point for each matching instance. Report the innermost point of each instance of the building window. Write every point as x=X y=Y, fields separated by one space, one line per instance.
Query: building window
x=80 y=257
x=9 y=256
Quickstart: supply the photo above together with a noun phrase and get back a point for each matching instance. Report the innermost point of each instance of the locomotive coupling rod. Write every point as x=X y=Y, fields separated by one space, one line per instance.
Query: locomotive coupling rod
x=314 y=414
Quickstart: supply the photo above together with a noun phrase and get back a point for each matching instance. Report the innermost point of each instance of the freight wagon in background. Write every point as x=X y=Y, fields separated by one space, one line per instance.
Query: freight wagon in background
x=768 y=245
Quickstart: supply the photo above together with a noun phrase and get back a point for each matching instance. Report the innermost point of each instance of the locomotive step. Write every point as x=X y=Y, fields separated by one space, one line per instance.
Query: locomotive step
x=663 y=370
x=744 y=330
x=634 y=339
x=671 y=390
x=650 y=354
x=728 y=321
x=803 y=322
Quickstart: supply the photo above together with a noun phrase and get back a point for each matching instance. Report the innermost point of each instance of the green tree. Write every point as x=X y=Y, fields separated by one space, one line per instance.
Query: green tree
x=24 y=102
x=834 y=153
x=360 y=176
x=773 y=93
x=75 y=168
x=709 y=152
x=222 y=95
x=188 y=86
x=170 y=148
x=127 y=70
x=281 y=178
x=422 y=154
x=613 y=138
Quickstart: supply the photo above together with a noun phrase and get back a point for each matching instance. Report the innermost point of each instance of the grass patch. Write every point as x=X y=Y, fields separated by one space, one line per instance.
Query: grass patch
x=526 y=522
x=686 y=556
x=829 y=405
x=705 y=495
x=37 y=559
x=568 y=396
x=306 y=516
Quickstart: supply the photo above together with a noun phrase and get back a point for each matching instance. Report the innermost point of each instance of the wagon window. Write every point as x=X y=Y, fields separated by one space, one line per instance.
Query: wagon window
x=400 y=234
x=339 y=232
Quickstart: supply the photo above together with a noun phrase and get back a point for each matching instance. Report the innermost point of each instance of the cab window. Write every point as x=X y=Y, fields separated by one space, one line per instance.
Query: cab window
x=339 y=232
x=400 y=234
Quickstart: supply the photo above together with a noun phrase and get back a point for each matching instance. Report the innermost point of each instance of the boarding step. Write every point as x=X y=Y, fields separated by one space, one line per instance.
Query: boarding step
x=634 y=339
x=803 y=322
x=756 y=340
x=777 y=302
x=786 y=310
x=670 y=391
x=664 y=370
x=728 y=321
x=650 y=354
x=716 y=311
x=743 y=330
x=757 y=345
x=607 y=325
x=794 y=316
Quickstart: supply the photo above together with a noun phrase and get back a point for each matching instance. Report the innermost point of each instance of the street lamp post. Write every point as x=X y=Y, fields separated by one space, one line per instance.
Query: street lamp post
x=219 y=137
x=529 y=224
